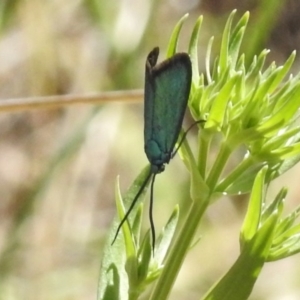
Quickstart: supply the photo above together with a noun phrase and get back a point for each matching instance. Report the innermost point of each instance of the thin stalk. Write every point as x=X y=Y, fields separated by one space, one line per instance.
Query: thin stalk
x=204 y=144
x=235 y=174
x=46 y=102
x=179 y=250
x=219 y=165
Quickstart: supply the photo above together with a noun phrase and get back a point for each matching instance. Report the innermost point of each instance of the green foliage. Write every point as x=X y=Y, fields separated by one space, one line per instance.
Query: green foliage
x=129 y=266
x=7 y=8
x=248 y=110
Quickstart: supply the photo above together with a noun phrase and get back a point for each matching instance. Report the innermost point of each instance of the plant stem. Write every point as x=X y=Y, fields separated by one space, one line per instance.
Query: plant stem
x=219 y=165
x=179 y=250
x=47 y=102
x=204 y=144
x=235 y=174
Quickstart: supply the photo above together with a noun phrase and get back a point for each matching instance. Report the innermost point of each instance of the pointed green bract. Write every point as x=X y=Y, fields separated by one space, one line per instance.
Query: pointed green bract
x=172 y=46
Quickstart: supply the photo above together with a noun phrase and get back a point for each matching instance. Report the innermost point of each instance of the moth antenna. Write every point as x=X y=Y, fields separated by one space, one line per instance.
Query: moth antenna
x=132 y=204
x=184 y=136
x=151 y=213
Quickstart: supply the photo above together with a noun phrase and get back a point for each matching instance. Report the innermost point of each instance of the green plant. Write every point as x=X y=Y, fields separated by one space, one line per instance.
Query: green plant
x=249 y=110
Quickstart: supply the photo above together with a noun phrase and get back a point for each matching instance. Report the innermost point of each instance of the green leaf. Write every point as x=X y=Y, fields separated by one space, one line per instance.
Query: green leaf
x=144 y=257
x=276 y=204
x=257 y=66
x=137 y=224
x=127 y=234
x=207 y=60
x=279 y=140
x=252 y=218
x=165 y=238
x=290 y=247
x=282 y=72
x=237 y=37
x=287 y=234
x=238 y=282
x=131 y=267
x=288 y=221
x=172 y=46
x=284 y=115
x=197 y=181
x=193 y=50
x=113 y=281
x=224 y=60
x=287 y=164
x=244 y=182
x=219 y=105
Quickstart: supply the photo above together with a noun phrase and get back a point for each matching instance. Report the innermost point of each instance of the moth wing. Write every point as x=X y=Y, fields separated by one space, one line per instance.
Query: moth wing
x=167 y=89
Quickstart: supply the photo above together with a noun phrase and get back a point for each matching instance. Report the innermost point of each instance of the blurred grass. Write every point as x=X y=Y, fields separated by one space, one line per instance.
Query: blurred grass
x=58 y=167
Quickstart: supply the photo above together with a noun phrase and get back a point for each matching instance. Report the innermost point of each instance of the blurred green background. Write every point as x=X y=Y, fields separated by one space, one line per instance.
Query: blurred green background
x=58 y=167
